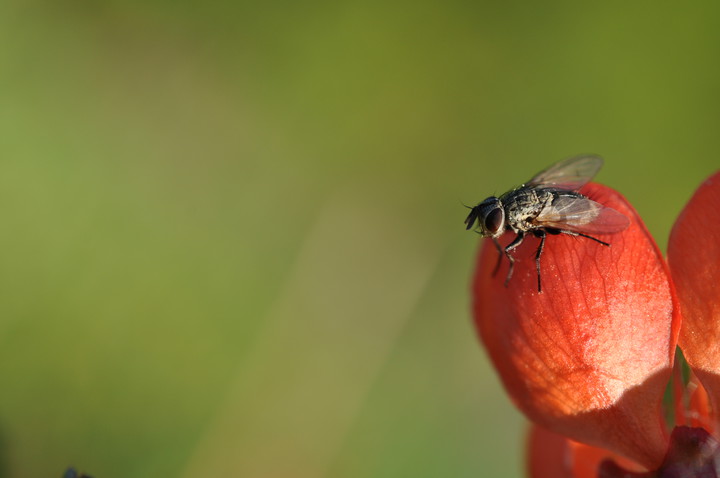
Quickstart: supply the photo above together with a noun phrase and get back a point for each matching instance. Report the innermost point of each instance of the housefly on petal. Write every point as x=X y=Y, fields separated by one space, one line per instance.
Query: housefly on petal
x=547 y=204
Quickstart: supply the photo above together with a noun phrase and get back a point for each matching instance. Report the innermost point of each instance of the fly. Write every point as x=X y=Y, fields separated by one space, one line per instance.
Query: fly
x=547 y=204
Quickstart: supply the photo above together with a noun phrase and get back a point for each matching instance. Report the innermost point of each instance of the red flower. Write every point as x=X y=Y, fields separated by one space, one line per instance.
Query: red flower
x=588 y=360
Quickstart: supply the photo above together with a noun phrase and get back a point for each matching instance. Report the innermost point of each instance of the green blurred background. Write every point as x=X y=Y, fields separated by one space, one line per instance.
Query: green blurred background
x=232 y=239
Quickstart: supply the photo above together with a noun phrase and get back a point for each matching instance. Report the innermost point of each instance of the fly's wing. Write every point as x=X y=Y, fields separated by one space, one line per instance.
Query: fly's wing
x=570 y=174
x=581 y=215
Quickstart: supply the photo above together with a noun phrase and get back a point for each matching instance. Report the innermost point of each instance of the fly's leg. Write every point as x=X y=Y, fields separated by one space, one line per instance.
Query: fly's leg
x=516 y=242
x=573 y=233
x=541 y=235
x=500 y=254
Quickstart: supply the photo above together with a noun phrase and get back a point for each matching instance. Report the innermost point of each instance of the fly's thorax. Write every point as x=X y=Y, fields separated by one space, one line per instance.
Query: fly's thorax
x=523 y=205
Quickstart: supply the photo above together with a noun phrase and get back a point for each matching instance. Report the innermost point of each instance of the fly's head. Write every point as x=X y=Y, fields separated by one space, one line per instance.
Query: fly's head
x=490 y=216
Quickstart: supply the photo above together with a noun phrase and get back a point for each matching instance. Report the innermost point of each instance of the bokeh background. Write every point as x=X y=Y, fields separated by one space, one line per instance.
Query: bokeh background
x=232 y=242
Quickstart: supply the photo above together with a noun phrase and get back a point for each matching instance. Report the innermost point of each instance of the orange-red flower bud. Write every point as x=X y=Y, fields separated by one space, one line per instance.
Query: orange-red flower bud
x=589 y=358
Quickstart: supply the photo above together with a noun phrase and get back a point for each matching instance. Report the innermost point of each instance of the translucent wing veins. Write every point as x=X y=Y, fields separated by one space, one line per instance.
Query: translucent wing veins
x=570 y=174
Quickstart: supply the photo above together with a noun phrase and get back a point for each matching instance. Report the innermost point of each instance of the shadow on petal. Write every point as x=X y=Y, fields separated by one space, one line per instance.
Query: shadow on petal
x=554 y=456
x=693 y=452
x=632 y=427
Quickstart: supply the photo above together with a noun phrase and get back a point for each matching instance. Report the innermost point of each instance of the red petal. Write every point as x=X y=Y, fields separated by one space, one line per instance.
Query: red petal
x=694 y=257
x=549 y=455
x=590 y=357
x=553 y=456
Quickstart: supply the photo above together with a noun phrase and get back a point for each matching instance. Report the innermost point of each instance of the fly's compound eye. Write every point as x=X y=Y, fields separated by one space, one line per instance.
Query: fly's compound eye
x=494 y=221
